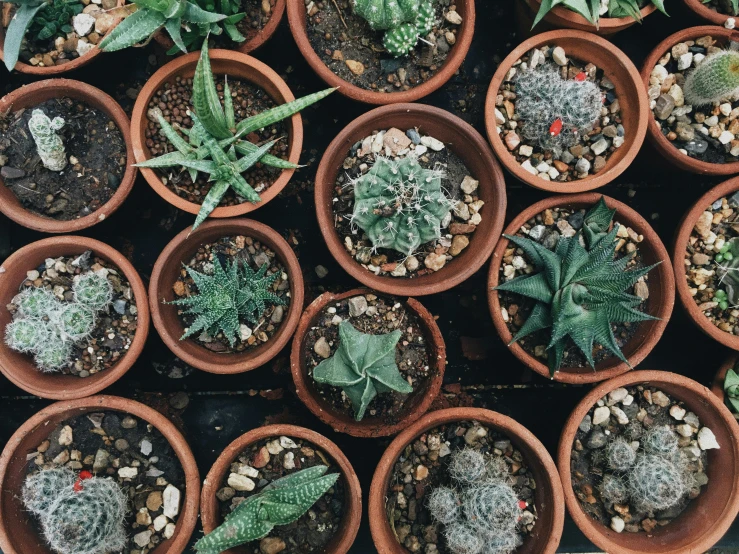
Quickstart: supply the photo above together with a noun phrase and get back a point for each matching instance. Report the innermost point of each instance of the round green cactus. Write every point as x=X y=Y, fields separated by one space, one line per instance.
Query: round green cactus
x=41 y=490
x=93 y=290
x=36 y=302
x=387 y=14
x=26 y=335
x=76 y=321
x=53 y=354
x=425 y=20
x=400 y=40
x=716 y=79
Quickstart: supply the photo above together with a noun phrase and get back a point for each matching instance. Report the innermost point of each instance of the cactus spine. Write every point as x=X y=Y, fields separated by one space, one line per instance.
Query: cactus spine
x=715 y=79
x=404 y=21
x=49 y=144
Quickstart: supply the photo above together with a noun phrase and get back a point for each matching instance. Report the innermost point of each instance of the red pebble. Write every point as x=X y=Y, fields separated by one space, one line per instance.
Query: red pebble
x=77 y=485
x=580 y=76
x=84 y=474
x=556 y=127
x=522 y=504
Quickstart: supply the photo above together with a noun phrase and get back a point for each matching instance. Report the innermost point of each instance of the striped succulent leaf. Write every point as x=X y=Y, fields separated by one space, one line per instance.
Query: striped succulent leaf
x=205 y=98
x=137 y=27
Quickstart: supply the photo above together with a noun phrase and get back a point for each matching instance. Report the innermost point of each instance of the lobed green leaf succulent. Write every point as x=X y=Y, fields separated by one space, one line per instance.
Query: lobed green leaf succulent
x=715 y=79
x=579 y=292
x=215 y=139
x=590 y=9
x=363 y=366
x=229 y=293
x=731 y=389
x=55 y=19
x=404 y=21
x=279 y=503
x=25 y=13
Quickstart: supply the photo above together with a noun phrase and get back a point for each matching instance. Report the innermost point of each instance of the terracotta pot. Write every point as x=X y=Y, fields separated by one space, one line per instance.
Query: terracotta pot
x=656 y=138
x=548 y=498
x=706 y=518
x=210 y=511
x=296 y=15
x=236 y=66
x=562 y=18
x=678 y=261
x=19 y=534
x=164 y=40
x=717 y=386
x=419 y=401
x=169 y=325
x=632 y=96
x=466 y=143
x=36 y=93
x=55 y=69
x=704 y=12
x=660 y=302
x=20 y=368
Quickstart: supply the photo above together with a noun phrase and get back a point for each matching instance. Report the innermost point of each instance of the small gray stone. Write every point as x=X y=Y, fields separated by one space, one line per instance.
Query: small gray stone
x=8 y=172
x=321 y=271
x=696 y=146
x=582 y=166
x=664 y=106
x=596 y=439
x=120 y=306
x=277 y=314
x=414 y=136
x=322 y=348
x=357 y=306
x=128 y=422
x=586 y=424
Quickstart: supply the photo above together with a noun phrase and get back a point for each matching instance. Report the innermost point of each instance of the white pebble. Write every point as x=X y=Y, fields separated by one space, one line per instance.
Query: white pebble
x=685 y=61
x=240 y=482
x=601 y=415
x=617 y=524
x=707 y=440
x=677 y=412
x=171 y=501
x=726 y=137
x=558 y=55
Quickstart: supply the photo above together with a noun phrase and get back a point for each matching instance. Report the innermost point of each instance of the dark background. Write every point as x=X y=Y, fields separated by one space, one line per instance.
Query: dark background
x=221 y=408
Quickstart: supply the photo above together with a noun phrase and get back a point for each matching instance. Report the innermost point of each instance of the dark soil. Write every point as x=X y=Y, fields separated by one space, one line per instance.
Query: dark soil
x=343 y=37
x=720 y=6
x=266 y=461
x=173 y=100
x=256 y=254
x=383 y=315
x=94 y=146
x=406 y=497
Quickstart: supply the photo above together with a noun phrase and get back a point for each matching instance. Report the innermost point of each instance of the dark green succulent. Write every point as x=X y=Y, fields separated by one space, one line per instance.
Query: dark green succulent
x=731 y=388
x=579 y=290
x=225 y=296
x=193 y=35
x=55 y=19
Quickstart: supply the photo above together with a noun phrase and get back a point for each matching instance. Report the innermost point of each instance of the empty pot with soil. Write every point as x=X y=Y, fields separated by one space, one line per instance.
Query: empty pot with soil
x=694 y=122
x=649 y=464
x=77 y=317
x=64 y=156
x=716 y=12
x=399 y=53
x=390 y=388
x=409 y=199
x=436 y=483
x=259 y=469
x=97 y=475
x=565 y=111
x=594 y=240
x=227 y=297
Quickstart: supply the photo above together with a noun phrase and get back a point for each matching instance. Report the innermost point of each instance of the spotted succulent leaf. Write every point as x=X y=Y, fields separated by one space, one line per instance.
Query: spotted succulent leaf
x=731 y=388
x=387 y=14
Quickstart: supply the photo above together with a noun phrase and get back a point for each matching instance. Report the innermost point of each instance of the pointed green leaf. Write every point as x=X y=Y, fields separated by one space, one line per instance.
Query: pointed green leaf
x=174 y=28
x=205 y=98
x=195 y=14
x=16 y=31
x=136 y=28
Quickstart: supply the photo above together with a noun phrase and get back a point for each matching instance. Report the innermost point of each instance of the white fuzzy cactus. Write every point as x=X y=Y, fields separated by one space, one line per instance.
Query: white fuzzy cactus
x=48 y=143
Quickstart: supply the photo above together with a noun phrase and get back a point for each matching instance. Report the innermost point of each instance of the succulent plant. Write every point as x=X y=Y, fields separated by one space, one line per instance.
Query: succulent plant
x=92 y=290
x=660 y=440
x=404 y=21
x=49 y=144
x=597 y=223
x=731 y=389
x=727 y=261
x=78 y=514
x=279 y=503
x=613 y=489
x=363 y=366
x=592 y=10
x=55 y=19
x=620 y=455
x=579 y=293
x=656 y=482
x=399 y=204
x=715 y=79
x=193 y=35
x=215 y=134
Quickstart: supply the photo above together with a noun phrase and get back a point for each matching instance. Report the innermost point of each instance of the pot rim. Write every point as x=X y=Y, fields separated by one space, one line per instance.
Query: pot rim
x=703 y=12
x=663 y=309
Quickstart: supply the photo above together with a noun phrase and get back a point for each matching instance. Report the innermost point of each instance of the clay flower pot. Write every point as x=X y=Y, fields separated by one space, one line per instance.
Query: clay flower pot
x=548 y=499
x=678 y=261
x=237 y=66
x=706 y=518
x=706 y=13
x=659 y=140
x=632 y=96
x=296 y=15
x=19 y=535
x=169 y=325
x=36 y=93
x=164 y=40
x=419 y=400
x=659 y=304
x=562 y=18
x=210 y=511
x=466 y=143
x=20 y=368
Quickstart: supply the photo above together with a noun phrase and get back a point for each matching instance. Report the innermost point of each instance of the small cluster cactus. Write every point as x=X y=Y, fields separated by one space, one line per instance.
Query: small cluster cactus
x=226 y=295
x=399 y=204
x=78 y=513
x=279 y=503
x=727 y=260
x=405 y=22
x=49 y=144
x=363 y=366
x=555 y=113
x=49 y=328
x=731 y=389
x=715 y=79
x=480 y=512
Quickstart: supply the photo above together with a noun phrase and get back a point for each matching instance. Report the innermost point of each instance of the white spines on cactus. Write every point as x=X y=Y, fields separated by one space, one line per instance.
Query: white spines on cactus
x=49 y=144
x=383 y=15
x=715 y=79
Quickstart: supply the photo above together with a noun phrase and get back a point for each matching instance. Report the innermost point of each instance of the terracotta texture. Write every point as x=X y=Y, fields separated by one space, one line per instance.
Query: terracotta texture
x=656 y=138
x=245 y=47
x=18 y=533
x=20 y=368
x=296 y=15
x=419 y=401
x=562 y=18
x=466 y=143
x=706 y=518
x=678 y=261
x=41 y=91
x=632 y=97
x=660 y=302
x=236 y=66
x=344 y=538
x=168 y=323
x=548 y=499
x=703 y=12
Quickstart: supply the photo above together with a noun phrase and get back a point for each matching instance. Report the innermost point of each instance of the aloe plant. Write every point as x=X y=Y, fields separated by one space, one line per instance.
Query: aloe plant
x=590 y=9
x=25 y=14
x=215 y=139
x=193 y=35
